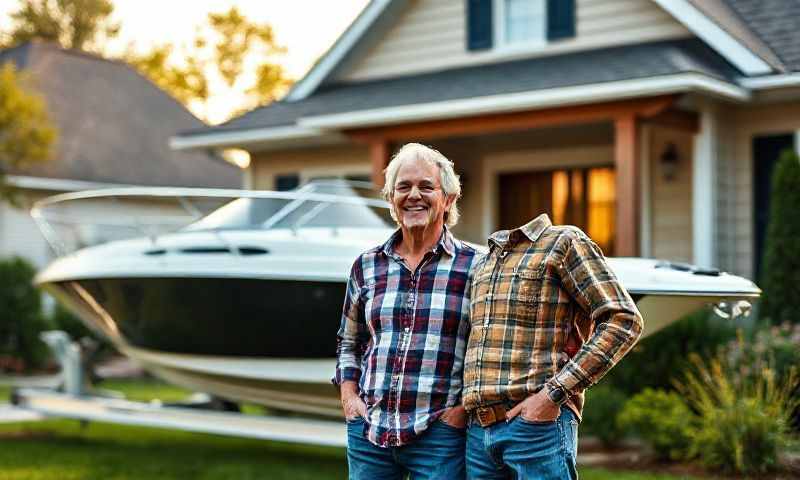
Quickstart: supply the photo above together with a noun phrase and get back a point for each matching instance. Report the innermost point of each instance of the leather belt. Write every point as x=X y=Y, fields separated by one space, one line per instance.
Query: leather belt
x=489 y=415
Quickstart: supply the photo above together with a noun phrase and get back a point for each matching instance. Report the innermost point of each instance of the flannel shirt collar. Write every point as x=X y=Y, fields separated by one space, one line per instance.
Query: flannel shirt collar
x=447 y=242
x=533 y=230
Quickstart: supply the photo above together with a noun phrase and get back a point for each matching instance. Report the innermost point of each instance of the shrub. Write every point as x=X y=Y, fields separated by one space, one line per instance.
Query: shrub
x=656 y=359
x=743 y=422
x=780 y=278
x=21 y=317
x=603 y=405
x=661 y=419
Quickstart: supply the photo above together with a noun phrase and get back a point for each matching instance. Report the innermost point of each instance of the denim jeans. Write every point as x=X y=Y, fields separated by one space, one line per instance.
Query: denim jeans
x=438 y=453
x=523 y=449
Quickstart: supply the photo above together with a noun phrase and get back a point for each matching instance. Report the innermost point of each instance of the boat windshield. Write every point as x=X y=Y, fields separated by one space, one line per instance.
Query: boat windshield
x=273 y=213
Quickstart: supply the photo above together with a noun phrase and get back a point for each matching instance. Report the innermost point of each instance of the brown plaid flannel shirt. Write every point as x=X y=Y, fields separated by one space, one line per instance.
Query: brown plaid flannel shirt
x=545 y=307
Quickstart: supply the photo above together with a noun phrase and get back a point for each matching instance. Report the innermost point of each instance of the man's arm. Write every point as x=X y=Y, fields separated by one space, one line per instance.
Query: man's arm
x=350 y=346
x=586 y=275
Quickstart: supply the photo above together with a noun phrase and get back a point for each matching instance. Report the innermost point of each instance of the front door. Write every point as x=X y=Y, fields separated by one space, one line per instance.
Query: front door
x=766 y=151
x=584 y=197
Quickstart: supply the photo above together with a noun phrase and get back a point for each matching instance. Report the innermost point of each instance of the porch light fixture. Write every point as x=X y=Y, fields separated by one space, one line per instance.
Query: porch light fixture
x=670 y=160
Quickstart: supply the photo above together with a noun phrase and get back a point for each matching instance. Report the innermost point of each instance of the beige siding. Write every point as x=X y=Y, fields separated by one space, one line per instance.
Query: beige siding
x=319 y=162
x=19 y=236
x=671 y=201
x=430 y=35
x=726 y=211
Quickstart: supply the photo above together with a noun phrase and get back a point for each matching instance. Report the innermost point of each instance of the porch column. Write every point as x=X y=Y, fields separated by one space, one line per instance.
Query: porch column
x=704 y=191
x=627 y=177
x=379 y=152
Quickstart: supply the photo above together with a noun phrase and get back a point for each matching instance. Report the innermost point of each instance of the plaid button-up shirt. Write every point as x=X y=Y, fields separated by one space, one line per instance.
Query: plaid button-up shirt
x=403 y=335
x=545 y=307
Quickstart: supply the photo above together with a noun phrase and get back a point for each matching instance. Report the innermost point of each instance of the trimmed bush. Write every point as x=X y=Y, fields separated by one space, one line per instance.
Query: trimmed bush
x=780 y=278
x=661 y=419
x=603 y=405
x=654 y=361
x=743 y=424
x=21 y=317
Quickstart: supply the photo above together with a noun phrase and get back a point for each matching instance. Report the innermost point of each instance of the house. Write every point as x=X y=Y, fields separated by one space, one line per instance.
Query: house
x=114 y=127
x=651 y=124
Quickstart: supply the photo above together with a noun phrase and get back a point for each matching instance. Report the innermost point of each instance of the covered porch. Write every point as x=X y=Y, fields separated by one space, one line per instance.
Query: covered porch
x=624 y=171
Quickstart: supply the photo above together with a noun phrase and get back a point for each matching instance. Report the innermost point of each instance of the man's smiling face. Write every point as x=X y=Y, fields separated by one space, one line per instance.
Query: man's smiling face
x=418 y=200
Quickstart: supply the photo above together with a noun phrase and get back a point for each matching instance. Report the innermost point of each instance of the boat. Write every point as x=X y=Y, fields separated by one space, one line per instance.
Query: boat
x=244 y=302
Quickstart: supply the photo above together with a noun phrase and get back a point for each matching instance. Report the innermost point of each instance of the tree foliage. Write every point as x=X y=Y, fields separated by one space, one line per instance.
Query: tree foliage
x=781 y=276
x=26 y=132
x=74 y=24
x=223 y=53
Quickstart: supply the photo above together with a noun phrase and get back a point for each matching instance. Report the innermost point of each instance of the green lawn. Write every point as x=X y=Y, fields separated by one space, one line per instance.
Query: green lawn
x=64 y=450
x=5 y=393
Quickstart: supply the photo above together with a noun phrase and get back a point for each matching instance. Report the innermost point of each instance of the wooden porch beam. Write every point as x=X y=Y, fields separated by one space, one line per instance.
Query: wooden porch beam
x=379 y=152
x=626 y=133
x=505 y=122
x=681 y=120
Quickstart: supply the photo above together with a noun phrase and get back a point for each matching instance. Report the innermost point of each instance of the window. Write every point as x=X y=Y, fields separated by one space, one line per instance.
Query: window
x=520 y=22
x=585 y=197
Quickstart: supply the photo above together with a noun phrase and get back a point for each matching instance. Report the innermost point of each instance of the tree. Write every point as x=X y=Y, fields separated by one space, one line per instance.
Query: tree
x=781 y=277
x=26 y=133
x=74 y=24
x=222 y=54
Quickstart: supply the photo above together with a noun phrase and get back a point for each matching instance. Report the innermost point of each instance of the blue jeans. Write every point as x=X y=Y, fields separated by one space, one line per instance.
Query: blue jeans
x=438 y=453
x=523 y=449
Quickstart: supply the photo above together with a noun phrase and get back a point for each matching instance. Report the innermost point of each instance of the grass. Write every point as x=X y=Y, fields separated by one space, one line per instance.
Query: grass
x=67 y=449
x=5 y=393
x=63 y=449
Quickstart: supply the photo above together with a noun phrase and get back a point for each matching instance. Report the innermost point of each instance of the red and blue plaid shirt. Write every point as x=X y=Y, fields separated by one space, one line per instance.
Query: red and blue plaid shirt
x=403 y=336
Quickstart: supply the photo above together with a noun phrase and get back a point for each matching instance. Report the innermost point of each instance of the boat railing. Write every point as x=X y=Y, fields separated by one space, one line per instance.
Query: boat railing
x=130 y=212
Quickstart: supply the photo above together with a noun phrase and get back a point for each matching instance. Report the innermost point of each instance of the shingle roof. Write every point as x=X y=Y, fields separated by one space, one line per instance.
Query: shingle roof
x=776 y=23
x=581 y=68
x=114 y=125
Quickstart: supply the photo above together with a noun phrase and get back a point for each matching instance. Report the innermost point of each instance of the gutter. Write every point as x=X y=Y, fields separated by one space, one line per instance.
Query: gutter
x=537 y=99
x=326 y=127
x=771 y=81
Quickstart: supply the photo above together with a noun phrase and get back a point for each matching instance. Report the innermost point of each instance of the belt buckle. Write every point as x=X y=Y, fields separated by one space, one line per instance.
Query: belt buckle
x=488 y=416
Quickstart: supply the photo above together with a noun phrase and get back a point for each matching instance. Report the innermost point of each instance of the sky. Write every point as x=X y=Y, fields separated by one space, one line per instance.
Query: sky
x=307 y=28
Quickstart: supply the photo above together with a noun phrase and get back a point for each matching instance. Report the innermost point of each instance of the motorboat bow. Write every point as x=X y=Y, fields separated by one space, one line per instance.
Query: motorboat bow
x=244 y=302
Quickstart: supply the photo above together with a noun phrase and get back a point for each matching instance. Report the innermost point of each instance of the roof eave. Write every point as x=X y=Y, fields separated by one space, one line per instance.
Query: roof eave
x=716 y=37
x=325 y=129
x=532 y=100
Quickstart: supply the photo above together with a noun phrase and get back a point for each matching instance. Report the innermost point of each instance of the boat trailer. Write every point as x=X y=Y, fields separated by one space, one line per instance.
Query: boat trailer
x=74 y=400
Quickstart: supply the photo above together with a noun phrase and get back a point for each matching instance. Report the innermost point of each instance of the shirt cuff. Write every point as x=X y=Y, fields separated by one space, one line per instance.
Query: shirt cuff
x=346 y=374
x=571 y=378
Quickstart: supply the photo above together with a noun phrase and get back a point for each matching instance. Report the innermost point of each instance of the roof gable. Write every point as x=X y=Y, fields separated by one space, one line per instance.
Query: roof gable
x=734 y=42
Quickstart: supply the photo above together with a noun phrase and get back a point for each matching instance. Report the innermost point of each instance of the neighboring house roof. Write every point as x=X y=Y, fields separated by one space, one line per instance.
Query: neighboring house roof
x=775 y=22
x=114 y=125
x=581 y=68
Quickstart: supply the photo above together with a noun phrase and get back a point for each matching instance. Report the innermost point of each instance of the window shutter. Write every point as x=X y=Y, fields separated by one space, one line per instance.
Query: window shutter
x=560 y=19
x=479 y=24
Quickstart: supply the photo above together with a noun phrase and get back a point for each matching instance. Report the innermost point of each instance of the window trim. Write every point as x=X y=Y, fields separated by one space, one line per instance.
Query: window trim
x=499 y=31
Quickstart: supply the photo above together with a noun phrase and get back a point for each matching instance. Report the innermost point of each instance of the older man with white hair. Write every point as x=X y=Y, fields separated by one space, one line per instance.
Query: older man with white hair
x=404 y=328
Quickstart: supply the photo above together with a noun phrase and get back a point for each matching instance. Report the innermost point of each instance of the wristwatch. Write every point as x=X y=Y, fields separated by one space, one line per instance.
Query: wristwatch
x=557 y=394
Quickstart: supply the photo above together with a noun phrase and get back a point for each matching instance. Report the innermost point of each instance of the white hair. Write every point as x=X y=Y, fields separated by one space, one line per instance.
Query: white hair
x=451 y=185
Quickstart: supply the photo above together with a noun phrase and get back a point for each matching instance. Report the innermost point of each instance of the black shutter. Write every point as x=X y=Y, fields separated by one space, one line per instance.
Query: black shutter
x=479 y=24
x=560 y=19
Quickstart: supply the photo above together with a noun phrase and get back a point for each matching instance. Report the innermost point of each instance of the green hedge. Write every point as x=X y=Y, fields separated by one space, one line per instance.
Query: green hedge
x=21 y=317
x=780 y=278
